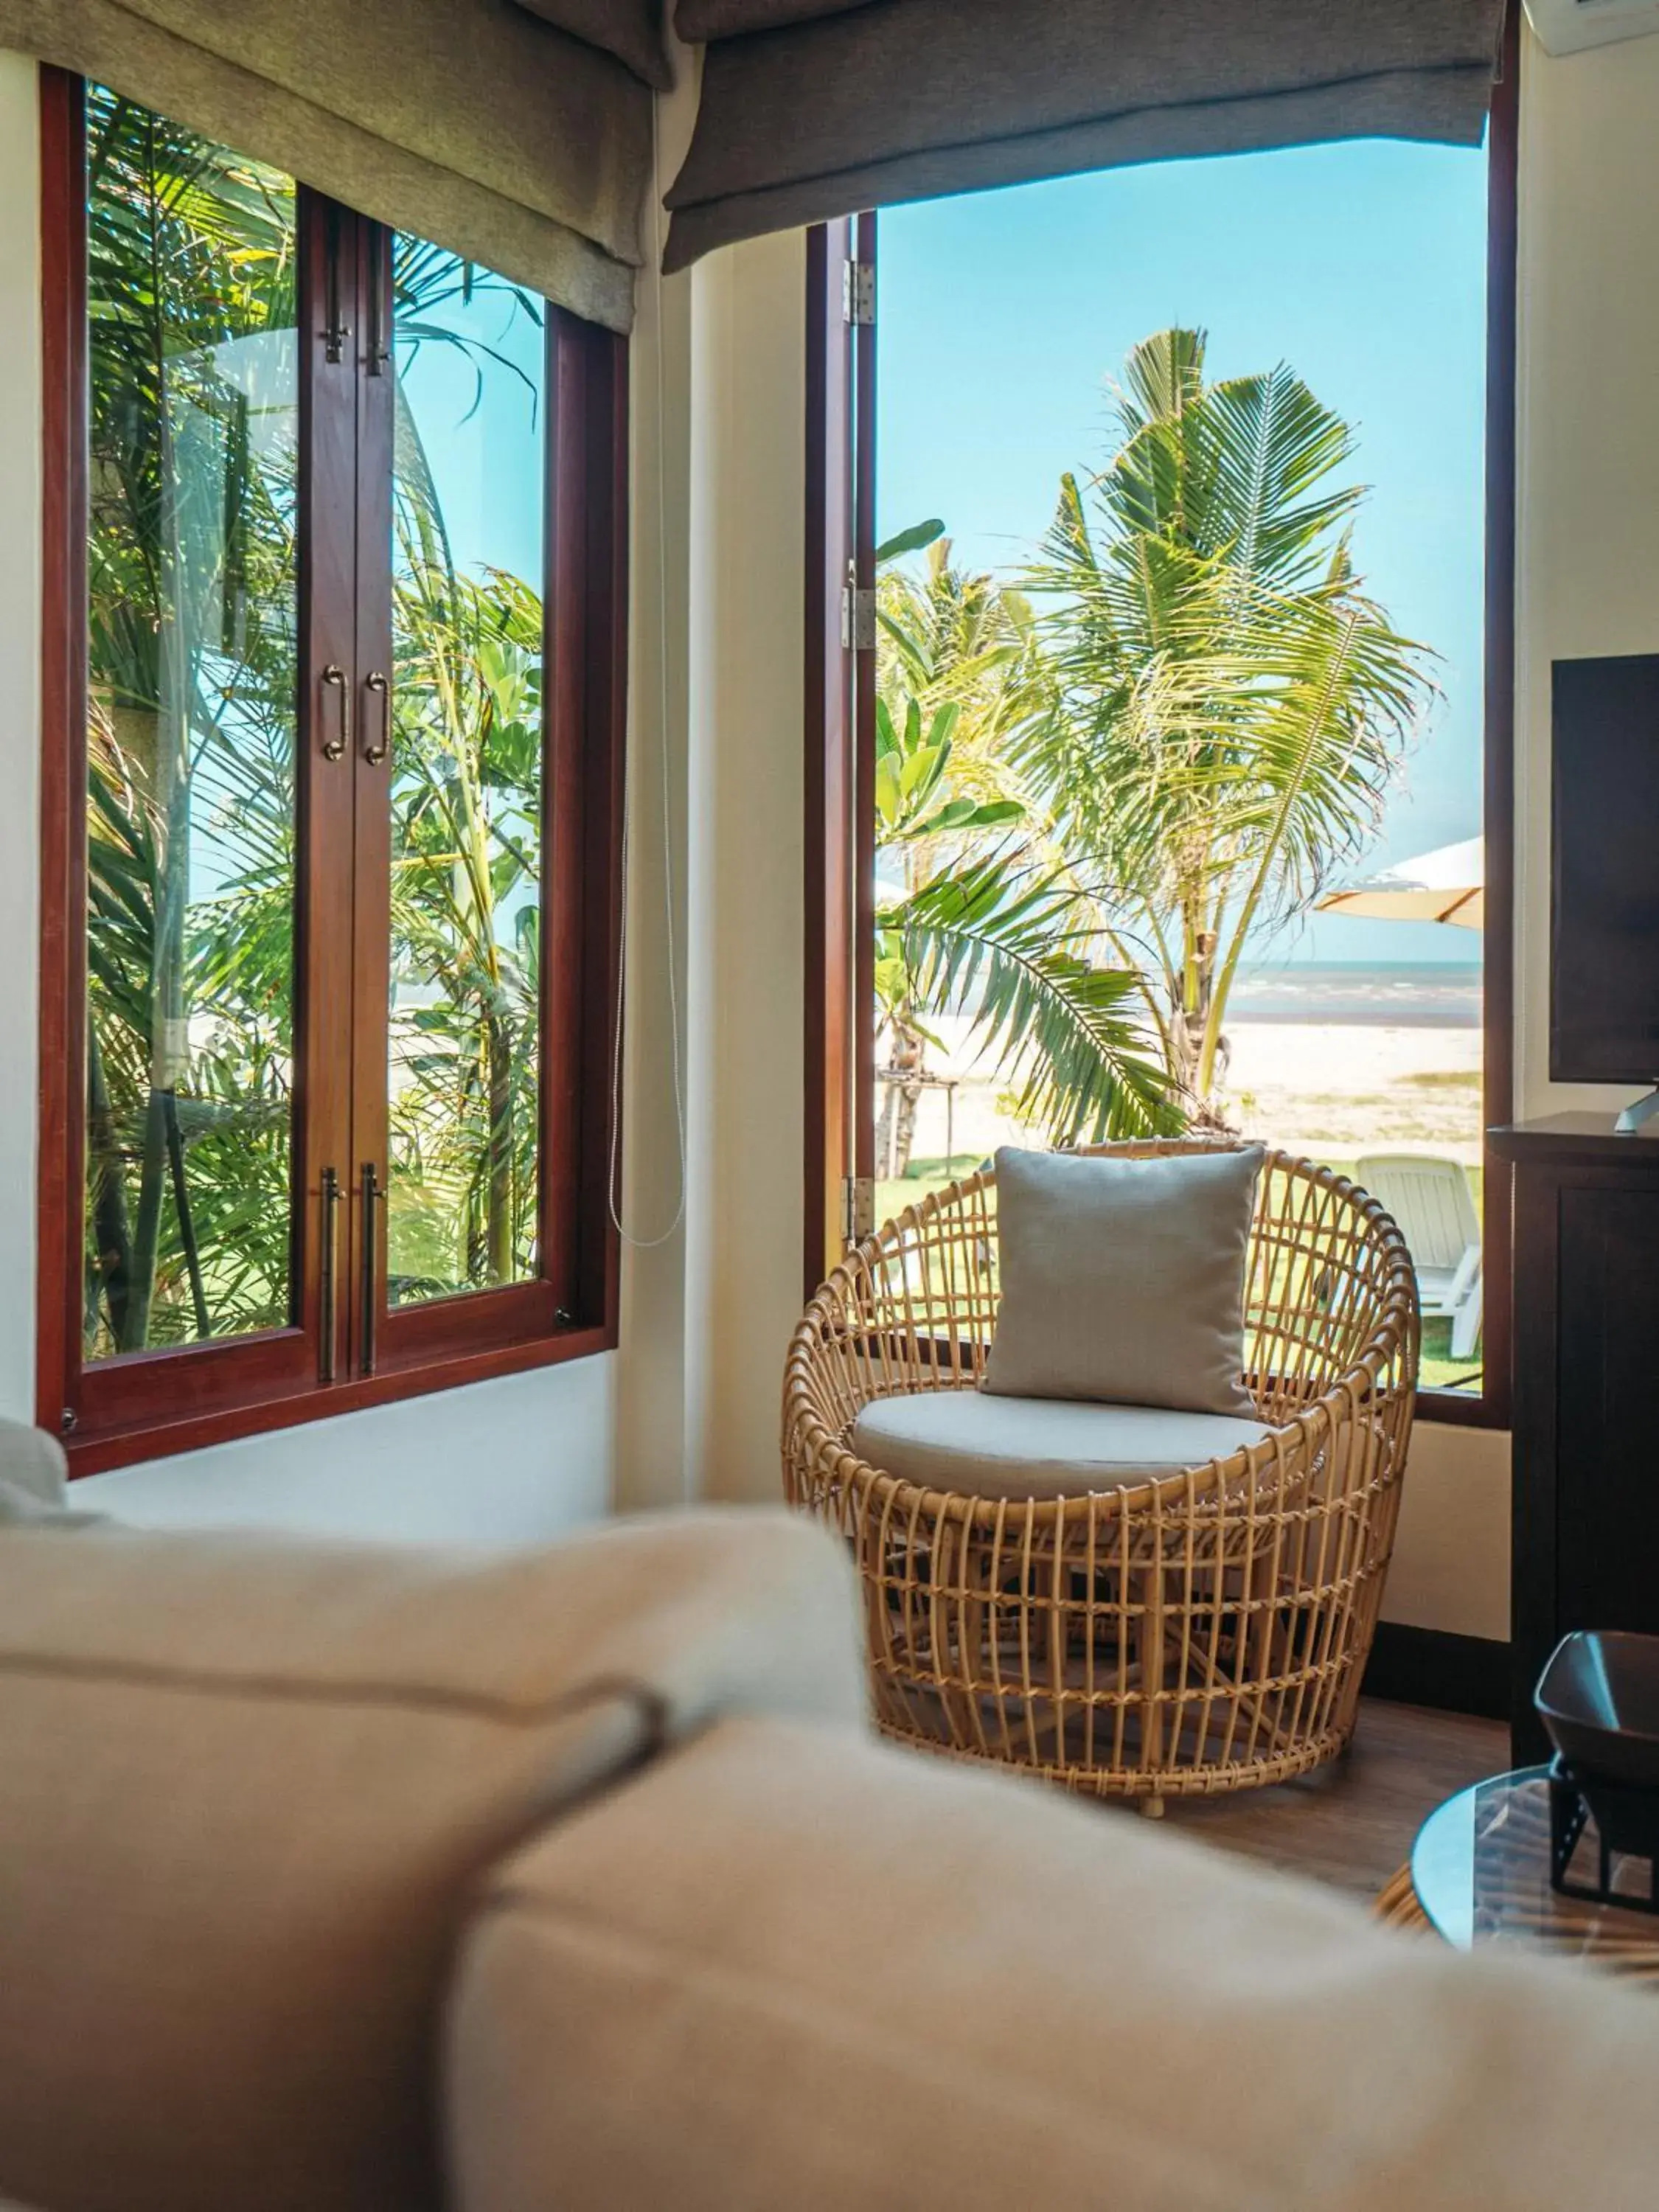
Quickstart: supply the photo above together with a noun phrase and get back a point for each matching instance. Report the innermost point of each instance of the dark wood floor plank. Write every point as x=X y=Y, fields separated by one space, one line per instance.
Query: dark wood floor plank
x=1353 y=1824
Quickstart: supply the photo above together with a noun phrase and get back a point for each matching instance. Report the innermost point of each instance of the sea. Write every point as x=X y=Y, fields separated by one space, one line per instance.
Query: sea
x=1412 y=994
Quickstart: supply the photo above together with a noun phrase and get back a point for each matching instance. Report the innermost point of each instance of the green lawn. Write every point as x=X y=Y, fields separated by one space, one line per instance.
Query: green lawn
x=1438 y=1371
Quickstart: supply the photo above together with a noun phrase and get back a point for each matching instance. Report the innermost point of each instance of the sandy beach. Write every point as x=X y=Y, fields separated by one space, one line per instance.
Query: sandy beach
x=1331 y=1090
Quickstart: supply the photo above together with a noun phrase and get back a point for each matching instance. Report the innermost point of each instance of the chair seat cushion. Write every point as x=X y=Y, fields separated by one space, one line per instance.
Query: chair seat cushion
x=985 y=1446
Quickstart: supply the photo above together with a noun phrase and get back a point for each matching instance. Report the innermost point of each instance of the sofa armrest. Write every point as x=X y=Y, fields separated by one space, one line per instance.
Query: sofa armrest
x=793 y=1967
x=248 y=1787
x=33 y=1481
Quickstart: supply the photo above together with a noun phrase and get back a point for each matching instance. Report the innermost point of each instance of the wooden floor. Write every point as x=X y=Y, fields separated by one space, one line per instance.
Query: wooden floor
x=1352 y=1823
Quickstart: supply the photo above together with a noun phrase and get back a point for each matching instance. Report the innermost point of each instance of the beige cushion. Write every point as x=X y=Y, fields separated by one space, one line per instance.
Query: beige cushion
x=1123 y=1280
x=33 y=1485
x=988 y=1447
x=792 y=1968
x=246 y=1788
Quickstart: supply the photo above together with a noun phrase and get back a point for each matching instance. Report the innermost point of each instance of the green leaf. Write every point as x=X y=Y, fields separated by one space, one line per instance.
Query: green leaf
x=1010 y=946
x=920 y=535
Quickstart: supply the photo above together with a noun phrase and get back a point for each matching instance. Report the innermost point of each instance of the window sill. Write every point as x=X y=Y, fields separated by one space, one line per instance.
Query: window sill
x=1452 y=1409
x=97 y=1454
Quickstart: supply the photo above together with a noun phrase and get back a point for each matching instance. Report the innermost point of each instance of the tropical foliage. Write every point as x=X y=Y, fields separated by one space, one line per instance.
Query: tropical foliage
x=192 y=847
x=1228 y=707
x=1101 y=786
x=979 y=917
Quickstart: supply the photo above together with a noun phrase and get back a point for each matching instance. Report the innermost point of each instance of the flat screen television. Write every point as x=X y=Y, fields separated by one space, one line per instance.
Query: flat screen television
x=1604 y=892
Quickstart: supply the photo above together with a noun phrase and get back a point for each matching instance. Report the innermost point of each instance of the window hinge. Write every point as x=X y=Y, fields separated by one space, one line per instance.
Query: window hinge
x=857 y=291
x=857 y=1208
x=858 y=620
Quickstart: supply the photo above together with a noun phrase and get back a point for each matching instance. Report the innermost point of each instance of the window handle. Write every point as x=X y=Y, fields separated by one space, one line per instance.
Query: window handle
x=372 y=1192
x=329 y=1279
x=335 y=332
x=378 y=352
x=376 y=683
x=334 y=748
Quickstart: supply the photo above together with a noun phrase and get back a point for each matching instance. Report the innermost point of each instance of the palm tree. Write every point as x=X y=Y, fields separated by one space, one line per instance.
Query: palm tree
x=986 y=918
x=192 y=558
x=1226 y=707
x=190 y=260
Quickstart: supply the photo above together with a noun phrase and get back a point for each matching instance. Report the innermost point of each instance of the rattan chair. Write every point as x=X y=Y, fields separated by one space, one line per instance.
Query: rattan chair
x=1199 y=1632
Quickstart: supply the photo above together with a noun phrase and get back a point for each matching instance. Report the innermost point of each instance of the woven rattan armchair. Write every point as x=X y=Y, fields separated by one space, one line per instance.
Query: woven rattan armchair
x=1202 y=1631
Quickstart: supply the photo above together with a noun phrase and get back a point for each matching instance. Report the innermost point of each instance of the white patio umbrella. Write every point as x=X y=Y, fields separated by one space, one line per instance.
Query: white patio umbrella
x=1448 y=885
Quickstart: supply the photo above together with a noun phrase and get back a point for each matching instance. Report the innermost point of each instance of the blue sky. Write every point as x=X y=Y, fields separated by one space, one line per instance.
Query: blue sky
x=1003 y=317
x=481 y=420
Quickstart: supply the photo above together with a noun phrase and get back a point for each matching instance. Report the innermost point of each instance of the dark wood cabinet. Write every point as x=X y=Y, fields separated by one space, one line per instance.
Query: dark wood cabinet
x=1585 y=1481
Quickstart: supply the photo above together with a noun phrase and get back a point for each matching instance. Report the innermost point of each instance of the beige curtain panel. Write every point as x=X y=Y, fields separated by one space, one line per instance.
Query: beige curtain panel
x=814 y=111
x=474 y=123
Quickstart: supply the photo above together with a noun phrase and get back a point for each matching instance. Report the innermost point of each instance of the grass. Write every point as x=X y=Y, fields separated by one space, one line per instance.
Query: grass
x=1439 y=1370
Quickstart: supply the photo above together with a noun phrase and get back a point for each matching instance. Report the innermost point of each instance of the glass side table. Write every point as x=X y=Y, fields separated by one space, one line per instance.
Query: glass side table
x=1478 y=1874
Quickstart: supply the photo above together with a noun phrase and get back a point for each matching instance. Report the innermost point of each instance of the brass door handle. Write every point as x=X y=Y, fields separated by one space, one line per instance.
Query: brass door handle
x=372 y=1192
x=334 y=748
x=329 y=1277
x=376 y=683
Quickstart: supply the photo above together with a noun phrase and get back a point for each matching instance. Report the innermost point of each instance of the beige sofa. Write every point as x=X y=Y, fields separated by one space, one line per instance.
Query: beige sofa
x=362 y=1880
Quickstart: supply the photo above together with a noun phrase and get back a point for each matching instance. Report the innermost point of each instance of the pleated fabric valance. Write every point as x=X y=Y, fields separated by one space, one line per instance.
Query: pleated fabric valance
x=474 y=123
x=815 y=108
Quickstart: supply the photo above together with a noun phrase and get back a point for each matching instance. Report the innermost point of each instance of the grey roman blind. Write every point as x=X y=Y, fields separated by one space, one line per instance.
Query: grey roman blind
x=813 y=108
x=475 y=123
x=630 y=29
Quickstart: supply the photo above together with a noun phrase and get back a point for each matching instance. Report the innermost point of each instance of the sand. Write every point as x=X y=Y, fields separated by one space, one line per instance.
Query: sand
x=1332 y=1091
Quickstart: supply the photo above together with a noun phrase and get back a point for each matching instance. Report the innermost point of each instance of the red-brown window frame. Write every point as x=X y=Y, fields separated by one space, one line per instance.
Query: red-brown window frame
x=146 y=1403
x=840 y=723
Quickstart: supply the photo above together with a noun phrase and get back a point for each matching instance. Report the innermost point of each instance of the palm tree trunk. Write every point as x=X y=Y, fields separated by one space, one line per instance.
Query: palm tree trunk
x=134 y=1333
x=111 y=1268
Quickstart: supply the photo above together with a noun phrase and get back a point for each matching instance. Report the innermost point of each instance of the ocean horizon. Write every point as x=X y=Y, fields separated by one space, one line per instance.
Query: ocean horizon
x=1404 y=994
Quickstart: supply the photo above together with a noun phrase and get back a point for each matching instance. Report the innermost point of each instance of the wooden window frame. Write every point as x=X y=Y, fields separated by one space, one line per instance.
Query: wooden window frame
x=840 y=722
x=175 y=1399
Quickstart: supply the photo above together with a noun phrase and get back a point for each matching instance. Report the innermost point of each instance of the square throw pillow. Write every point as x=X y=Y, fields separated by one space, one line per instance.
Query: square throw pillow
x=1123 y=1280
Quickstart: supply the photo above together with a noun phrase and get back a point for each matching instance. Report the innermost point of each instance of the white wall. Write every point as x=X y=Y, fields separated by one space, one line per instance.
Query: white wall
x=1588 y=440
x=748 y=646
x=520 y=1461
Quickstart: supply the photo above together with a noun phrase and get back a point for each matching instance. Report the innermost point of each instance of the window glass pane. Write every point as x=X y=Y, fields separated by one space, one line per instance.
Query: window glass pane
x=466 y=778
x=191 y=711
x=1185 y=695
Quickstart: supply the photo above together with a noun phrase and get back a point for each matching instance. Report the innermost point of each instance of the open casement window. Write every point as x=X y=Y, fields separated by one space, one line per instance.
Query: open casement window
x=846 y=1156
x=840 y=710
x=331 y=801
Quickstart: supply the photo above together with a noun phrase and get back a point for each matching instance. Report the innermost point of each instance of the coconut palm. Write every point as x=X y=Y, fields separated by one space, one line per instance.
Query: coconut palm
x=1227 y=706
x=986 y=920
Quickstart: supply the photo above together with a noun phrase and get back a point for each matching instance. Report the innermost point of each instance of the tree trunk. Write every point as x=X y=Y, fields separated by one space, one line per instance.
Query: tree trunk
x=134 y=1334
x=895 y=1132
x=110 y=1266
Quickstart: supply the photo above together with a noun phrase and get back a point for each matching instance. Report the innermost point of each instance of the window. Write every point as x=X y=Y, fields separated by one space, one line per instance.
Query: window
x=333 y=696
x=1108 y=797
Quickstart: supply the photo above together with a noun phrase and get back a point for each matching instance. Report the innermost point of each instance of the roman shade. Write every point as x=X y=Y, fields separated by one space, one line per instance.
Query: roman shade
x=630 y=29
x=813 y=108
x=474 y=123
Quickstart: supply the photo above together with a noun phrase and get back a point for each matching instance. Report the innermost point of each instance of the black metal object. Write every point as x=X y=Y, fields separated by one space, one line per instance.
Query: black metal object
x=1626 y=1826
x=1599 y=1699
